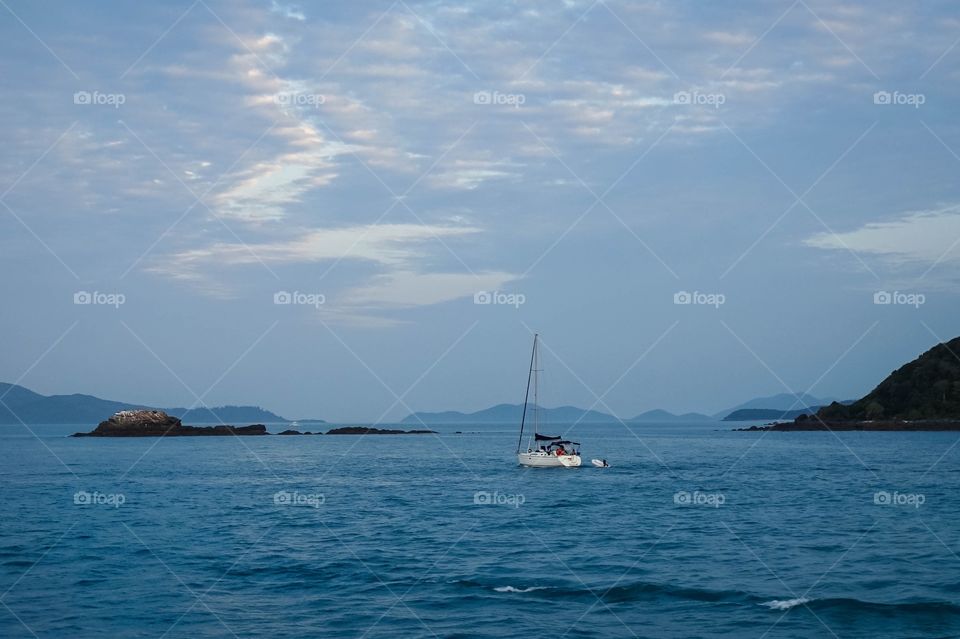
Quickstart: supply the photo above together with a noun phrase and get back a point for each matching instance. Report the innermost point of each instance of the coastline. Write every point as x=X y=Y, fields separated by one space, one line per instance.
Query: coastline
x=887 y=426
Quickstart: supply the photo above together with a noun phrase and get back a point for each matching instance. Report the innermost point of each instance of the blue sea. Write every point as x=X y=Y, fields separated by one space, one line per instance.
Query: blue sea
x=693 y=531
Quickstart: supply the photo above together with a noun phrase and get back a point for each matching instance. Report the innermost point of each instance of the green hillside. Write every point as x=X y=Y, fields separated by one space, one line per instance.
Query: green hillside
x=926 y=388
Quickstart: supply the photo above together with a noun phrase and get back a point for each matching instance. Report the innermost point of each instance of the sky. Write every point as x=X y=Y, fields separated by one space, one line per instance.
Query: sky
x=357 y=210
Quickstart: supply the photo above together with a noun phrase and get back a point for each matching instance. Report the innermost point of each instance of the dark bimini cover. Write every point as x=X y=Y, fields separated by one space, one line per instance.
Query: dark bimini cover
x=544 y=438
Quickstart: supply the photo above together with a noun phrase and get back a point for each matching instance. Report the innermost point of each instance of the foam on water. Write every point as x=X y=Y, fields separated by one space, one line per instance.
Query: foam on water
x=512 y=589
x=785 y=604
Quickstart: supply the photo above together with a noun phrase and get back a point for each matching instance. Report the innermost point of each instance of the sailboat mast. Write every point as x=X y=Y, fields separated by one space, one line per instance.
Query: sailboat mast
x=526 y=397
x=536 y=392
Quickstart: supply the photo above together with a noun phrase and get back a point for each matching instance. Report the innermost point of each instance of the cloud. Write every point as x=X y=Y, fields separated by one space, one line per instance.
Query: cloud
x=398 y=92
x=729 y=39
x=917 y=237
x=409 y=288
x=262 y=192
x=753 y=79
x=386 y=244
x=400 y=250
x=468 y=174
x=287 y=11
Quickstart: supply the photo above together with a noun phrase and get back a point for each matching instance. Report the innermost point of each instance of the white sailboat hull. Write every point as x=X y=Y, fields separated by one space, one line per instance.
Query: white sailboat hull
x=538 y=459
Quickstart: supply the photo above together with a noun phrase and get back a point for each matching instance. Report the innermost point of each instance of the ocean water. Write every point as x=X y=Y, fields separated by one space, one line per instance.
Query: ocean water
x=694 y=531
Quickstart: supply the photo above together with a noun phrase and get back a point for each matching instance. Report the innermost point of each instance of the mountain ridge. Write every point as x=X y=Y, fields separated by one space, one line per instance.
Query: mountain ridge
x=18 y=403
x=512 y=413
x=660 y=415
x=77 y=408
x=509 y=413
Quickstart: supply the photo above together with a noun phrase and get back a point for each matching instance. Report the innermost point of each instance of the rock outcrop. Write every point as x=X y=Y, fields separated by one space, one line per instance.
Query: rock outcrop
x=369 y=430
x=156 y=423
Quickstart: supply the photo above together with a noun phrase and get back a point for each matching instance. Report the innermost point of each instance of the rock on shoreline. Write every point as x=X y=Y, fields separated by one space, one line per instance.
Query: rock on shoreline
x=368 y=430
x=814 y=424
x=156 y=423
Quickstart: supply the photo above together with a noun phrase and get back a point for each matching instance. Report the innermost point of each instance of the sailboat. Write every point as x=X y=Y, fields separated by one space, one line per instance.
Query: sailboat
x=543 y=451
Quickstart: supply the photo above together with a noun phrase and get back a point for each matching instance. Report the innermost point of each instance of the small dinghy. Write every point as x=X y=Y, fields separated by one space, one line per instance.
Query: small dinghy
x=600 y=463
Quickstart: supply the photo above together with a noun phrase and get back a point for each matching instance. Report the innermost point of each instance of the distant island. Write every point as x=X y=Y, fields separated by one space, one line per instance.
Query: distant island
x=922 y=395
x=781 y=406
x=511 y=414
x=753 y=414
x=22 y=404
x=660 y=415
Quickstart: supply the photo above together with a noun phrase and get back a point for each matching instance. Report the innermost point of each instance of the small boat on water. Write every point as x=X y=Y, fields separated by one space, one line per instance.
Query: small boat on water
x=543 y=451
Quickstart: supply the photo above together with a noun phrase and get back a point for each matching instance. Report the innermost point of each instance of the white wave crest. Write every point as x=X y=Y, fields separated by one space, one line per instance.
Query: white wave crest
x=785 y=604
x=512 y=589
